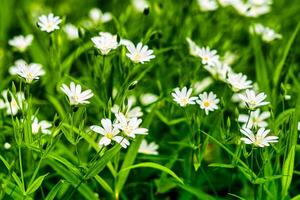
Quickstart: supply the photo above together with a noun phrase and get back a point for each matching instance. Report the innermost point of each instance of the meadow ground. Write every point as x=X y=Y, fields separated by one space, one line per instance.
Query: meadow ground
x=157 y=99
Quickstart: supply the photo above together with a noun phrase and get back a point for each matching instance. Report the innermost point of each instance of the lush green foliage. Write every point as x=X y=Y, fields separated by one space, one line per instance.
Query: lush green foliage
x=200 y=156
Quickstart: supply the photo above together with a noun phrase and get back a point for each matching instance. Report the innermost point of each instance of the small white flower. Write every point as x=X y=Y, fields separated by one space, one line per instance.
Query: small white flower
x=12 y=107
x=109 y=133
x=287 y=97
x=298 y=126
x=255 y=120
x=130 y=126
x=139 y=53
x=260 y=139
x=21 y=43
x=140 y=5
x=148 y=98
x=183 y=96
x=208 y=102
x=252 y=100
x=105 y=42
x=226 y=2
x=49 y=22
x=29 y=72
x=97 y=16
x=208 y=5
x=209 y=57
x=238 y=81
x=7 y=145
x=130 y=112
x=252 y=8
x=75 y=95
x=71 y=31
x=42 y=126
x=150 y=149
x=267 y=34
x=125 y=42
x=193 y=47
x=219 y=71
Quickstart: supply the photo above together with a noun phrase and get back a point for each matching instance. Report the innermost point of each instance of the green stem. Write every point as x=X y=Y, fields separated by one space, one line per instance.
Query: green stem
x=21 y=168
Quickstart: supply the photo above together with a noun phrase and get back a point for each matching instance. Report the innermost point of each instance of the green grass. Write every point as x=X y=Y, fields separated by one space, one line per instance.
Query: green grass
x=200 y=156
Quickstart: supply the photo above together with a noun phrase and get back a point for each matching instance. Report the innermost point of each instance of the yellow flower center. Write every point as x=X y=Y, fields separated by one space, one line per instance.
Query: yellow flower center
x=206 y=103
x=252 y=102
x=136 y=57
x=184 y=101
x=13 y=104
x=109 y=135
x=49 y=25
x=205 y=58
x=29 y=77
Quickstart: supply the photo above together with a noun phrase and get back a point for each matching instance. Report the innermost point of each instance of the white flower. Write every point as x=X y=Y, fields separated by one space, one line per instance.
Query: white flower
x=219 y=71
x=140 y=5
x=252 y=100
x=260 y=139
x=148 y=98
x=298 y=126
x=75 y=95
x=125 y=42
x=7 y=145
x=109 y=133
x=105 y=42
x=255 y=120
x=236 y=99
x=21 y=43
x=140 y=53
x=193 y=47
x=130 y=126
x=49 y=23
x=183 y=96
x=208 y=102
x=238 y=81
x=12 y=107
x=208 y=5
x=97 y=16
x=267 y=34
x=130 y=112
x=150 y=149
x=227 y=2
x=252 y=8
x=30 y=72
x=200 y=86
x=209 y=57
x=42 y=126
x=71 y=31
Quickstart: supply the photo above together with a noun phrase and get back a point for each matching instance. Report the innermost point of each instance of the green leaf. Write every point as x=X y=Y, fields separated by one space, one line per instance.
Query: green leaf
x=104 y=184
x=102 y=162
x=57 y=106
x=36 y=184
x=196 y=191
x=155 y=166
x=262 y=75
x=221 y=165
x=284 y=56
x=53 y=192
x=12 y=190
x=287 y=172
x=296 y=197
x=18 y=181
x=83 y=189
x=5 y=163
x=282 y=117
